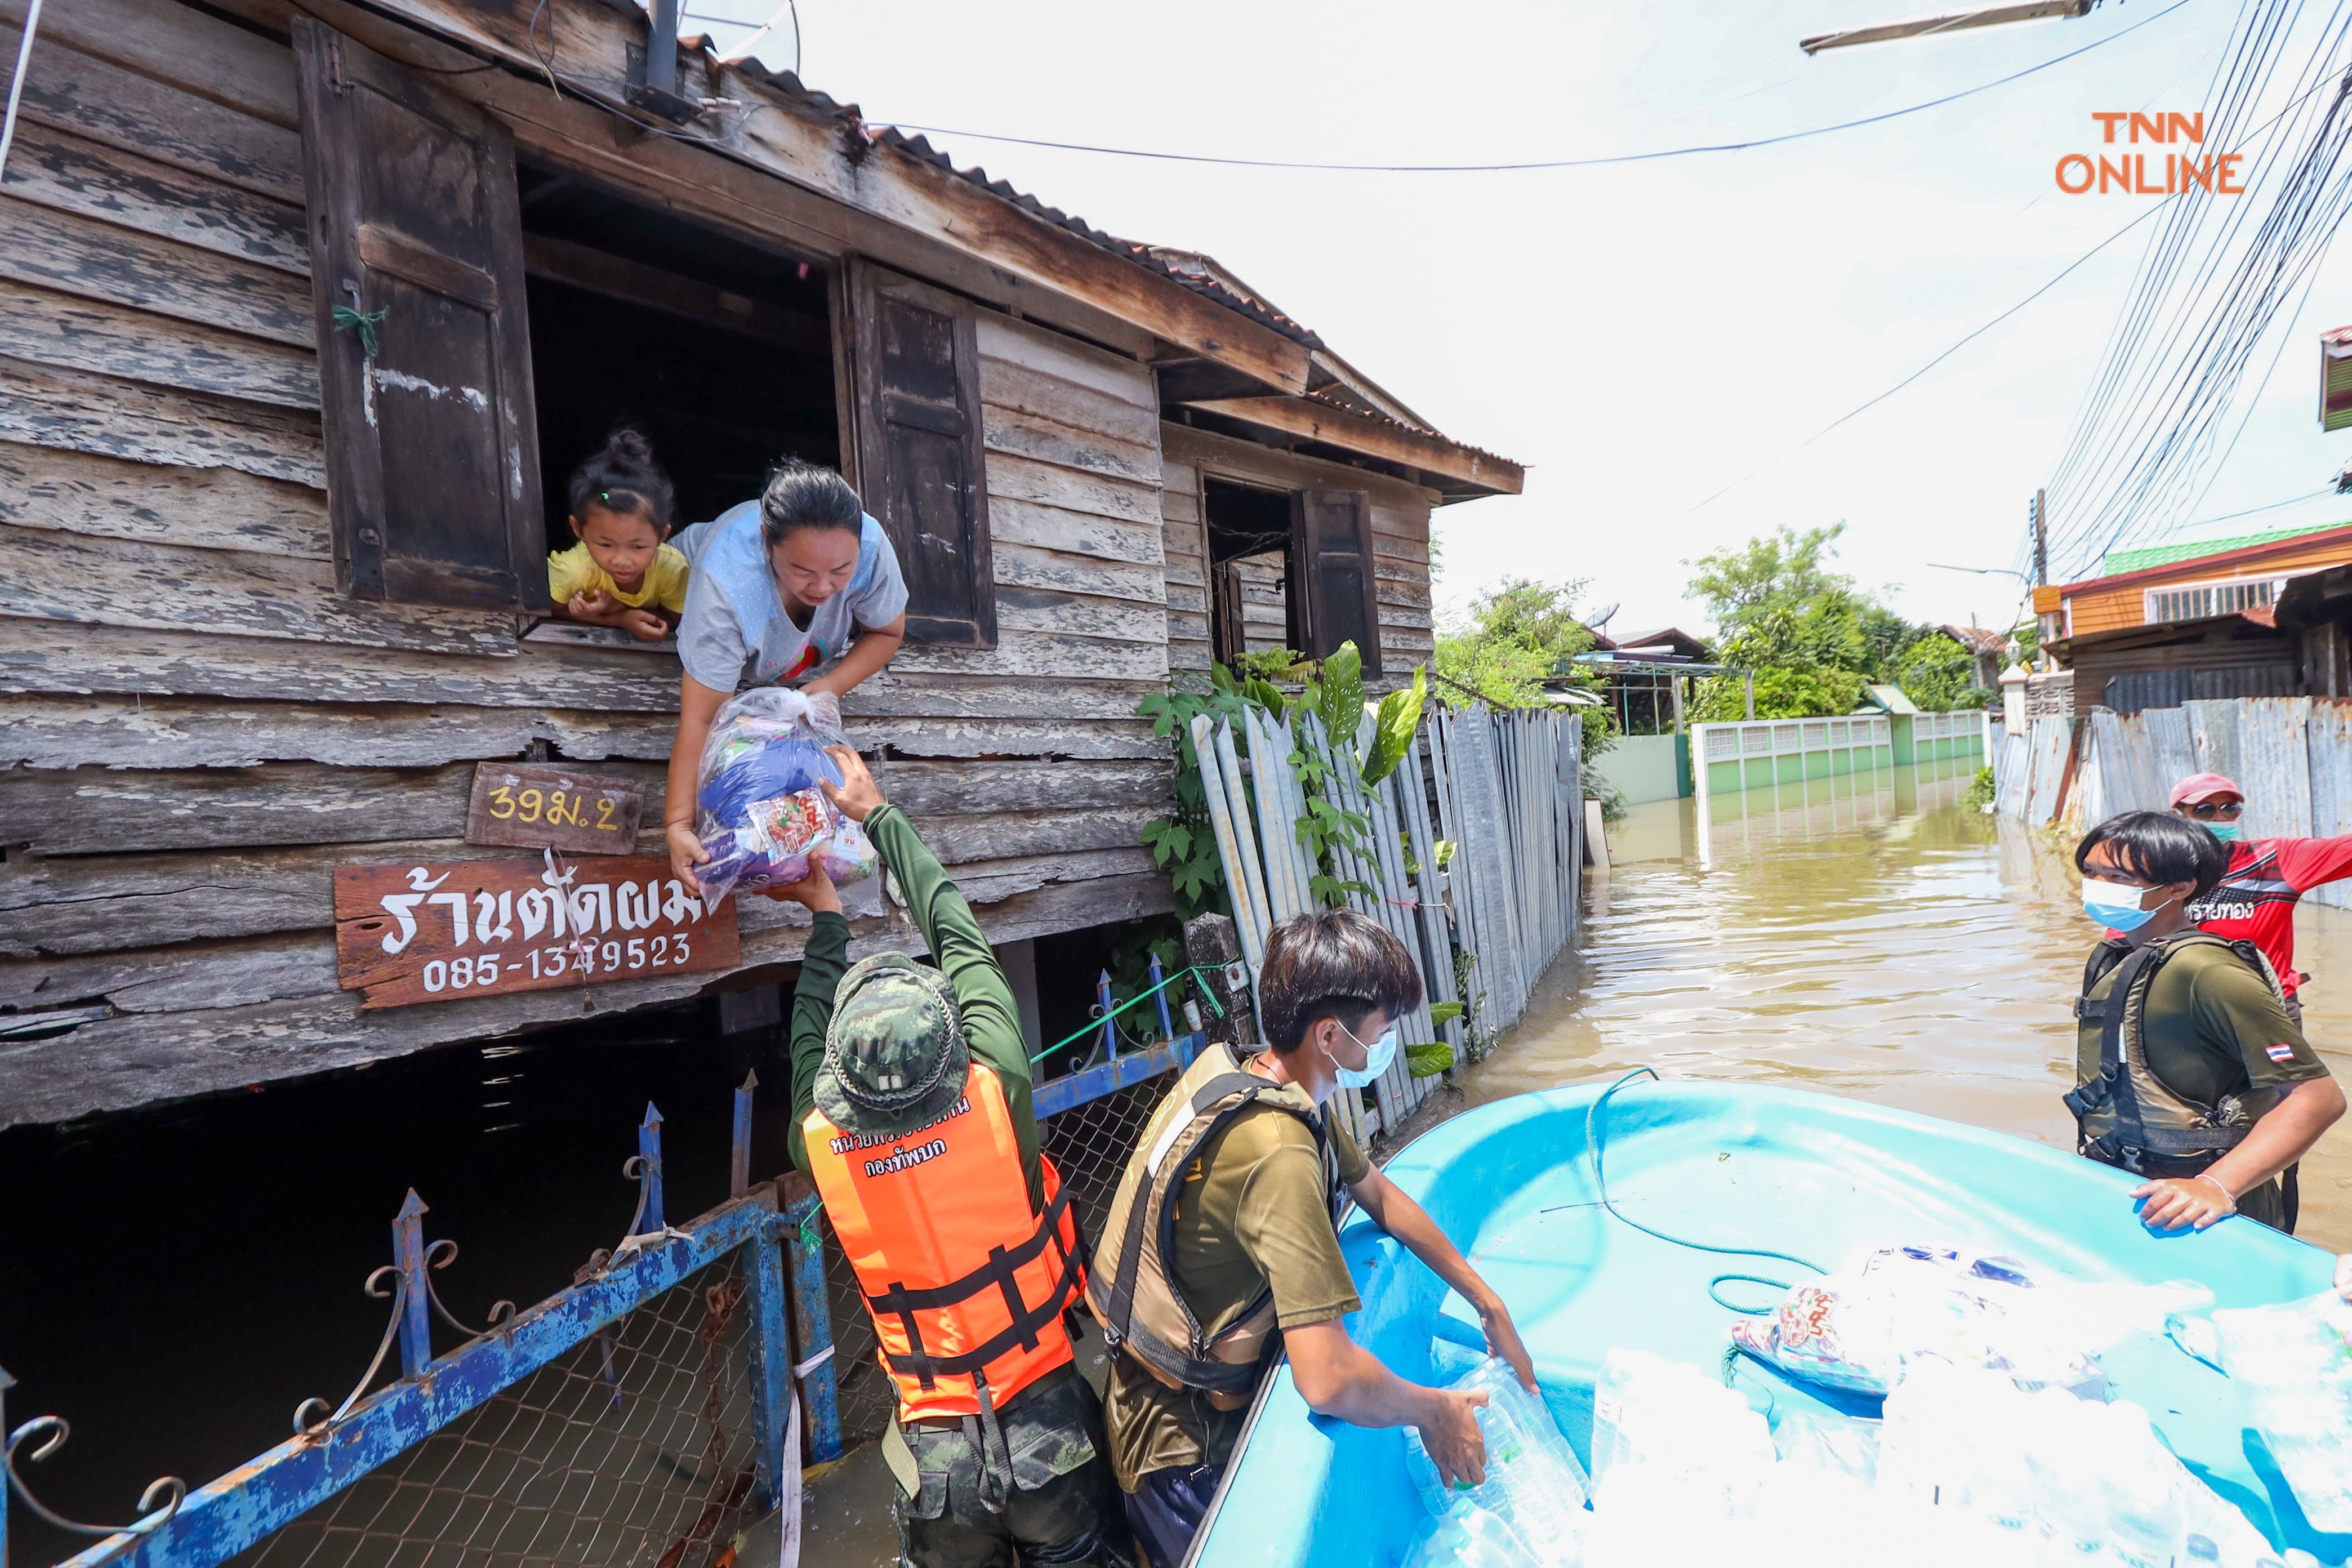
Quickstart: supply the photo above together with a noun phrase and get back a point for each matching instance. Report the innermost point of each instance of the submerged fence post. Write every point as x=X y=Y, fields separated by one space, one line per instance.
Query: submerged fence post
x=649 y=1170
x=811 y=1313
x=415 y=1313
x=738 y=1151
x=771 y=1355
x=1110 y=1025
x=1160 y=995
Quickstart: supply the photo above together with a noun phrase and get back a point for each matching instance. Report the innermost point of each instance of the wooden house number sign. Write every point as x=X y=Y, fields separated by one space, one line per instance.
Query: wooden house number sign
x=550 y=808
x=453 y=930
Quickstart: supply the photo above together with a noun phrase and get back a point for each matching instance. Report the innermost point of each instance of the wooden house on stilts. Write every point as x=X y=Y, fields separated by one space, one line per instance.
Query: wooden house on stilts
x=307 y=307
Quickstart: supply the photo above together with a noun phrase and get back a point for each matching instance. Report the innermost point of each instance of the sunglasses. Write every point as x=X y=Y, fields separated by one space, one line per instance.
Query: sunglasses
x=2215 y=810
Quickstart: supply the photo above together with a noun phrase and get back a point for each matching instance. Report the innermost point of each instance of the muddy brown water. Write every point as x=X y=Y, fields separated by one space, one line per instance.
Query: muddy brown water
x=1872 y=937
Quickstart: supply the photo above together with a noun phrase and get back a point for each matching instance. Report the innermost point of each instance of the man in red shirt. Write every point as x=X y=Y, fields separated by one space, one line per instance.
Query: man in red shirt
x=2256 y=897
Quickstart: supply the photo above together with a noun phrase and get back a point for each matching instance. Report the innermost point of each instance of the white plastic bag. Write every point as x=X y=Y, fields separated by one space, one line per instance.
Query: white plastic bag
x=760 y=810
x=2292 y=1367
x=1860 y=1328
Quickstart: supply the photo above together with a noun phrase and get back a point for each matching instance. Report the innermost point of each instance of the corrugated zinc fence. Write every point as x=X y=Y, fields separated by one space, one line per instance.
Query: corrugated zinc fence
x=1503 y=789
x=2292 y=755
x=644 y=1415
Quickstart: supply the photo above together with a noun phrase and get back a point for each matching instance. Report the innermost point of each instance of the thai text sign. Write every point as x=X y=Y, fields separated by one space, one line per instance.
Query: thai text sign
x=442 y=932
x=552 y=808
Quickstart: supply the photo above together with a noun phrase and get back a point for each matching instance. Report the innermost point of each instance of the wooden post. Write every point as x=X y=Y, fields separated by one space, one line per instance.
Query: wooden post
x=1215 y=948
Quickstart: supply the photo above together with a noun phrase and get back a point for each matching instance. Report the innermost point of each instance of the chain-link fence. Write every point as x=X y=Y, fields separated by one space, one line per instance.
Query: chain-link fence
x=634 y=1446
x=636 y=1418
x=1088 y=1144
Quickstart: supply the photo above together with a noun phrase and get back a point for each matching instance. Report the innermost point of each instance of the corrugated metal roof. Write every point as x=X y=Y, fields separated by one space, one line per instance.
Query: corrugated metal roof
x=2118 y=562
x=1150 y=258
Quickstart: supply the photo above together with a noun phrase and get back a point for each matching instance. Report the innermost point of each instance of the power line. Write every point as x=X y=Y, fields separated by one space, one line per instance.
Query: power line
x=1551 y=162
x=2068 y=270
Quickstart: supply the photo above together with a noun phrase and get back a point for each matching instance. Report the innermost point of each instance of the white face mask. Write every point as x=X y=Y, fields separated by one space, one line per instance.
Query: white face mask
x=1377 y=1055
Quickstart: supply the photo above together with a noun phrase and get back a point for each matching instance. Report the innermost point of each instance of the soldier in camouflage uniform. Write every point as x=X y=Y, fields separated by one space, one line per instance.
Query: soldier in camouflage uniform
x=911 y=1087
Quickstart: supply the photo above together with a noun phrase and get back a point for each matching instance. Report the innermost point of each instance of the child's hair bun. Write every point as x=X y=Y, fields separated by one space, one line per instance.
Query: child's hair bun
x=624 y=478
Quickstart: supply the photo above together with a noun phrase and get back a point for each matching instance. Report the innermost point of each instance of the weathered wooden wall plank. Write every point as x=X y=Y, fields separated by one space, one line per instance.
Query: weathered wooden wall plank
x=43 y=731
x=49 y=574
x=1068 y=447
x=119 y=1062
x=174 y=43
x=1094 y=495
x=156 y=118
x=1027 y=653
x=211 y=509
x=58 y=169
x=1020 y=390
x=1079 y=615
x=101 y=903
x=53 y=329
x=1025 y=345
x=1075 y=532
x=1026 y=566
x=98 y=262
x=48 y=407
x=122 y=811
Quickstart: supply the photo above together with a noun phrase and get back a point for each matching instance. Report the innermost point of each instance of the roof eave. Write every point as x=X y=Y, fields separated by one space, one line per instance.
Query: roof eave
x=1457 y=471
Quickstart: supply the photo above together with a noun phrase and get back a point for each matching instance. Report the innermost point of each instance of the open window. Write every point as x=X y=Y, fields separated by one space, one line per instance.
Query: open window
x=1290 y=569
x=720 y=351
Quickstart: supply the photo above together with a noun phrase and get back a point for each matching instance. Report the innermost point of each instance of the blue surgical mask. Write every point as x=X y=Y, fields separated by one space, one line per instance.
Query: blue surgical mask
x=1377 y=1057
x=2227 y=832
x=2114 y=905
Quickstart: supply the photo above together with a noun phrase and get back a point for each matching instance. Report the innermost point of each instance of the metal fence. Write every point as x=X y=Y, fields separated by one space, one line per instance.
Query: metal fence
x=2293 y=756
x=1503 y=790
x=643 y=1416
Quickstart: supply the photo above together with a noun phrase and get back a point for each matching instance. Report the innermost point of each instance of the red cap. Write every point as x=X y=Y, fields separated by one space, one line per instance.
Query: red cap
x=2204 y=786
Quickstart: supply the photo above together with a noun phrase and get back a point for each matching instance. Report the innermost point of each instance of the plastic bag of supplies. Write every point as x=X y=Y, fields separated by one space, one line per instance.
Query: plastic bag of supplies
x=759 y=811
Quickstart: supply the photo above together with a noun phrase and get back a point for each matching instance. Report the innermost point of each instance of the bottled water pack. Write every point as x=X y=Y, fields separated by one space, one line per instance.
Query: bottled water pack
x=2292 y=1367
x=1534 y=1491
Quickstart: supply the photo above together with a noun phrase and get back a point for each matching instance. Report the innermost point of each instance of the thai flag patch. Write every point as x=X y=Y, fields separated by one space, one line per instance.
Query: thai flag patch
x=2281 y=1053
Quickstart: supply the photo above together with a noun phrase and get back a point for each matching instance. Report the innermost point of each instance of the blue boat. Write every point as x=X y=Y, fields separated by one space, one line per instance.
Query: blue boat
x=1737 y=1165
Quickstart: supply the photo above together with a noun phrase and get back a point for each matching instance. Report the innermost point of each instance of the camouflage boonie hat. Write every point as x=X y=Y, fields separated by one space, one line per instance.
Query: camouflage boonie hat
x=895 y=1058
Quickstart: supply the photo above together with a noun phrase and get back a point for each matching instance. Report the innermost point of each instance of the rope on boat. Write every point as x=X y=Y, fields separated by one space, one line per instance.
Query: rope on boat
x=1594 y=1136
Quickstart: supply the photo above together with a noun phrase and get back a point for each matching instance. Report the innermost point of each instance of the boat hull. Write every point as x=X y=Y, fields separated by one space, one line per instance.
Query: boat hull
x=1739 y=1165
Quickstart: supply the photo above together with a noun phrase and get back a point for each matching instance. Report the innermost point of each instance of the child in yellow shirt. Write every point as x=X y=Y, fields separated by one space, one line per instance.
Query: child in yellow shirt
x=621 y=574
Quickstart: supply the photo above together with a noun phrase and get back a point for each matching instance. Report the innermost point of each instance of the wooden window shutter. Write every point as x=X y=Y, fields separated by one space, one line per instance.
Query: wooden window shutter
x=920 y=467
x=1331 y=579
x=432 y=447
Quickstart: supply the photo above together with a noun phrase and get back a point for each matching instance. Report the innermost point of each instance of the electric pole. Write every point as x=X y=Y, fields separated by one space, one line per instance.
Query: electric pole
x=2041 y=540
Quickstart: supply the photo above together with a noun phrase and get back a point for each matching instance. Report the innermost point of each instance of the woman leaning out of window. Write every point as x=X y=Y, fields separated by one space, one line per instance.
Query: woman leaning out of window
x=781 y=585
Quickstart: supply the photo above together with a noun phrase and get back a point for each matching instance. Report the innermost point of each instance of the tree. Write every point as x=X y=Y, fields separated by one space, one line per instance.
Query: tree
x=1517 y=636
x=1814 y=639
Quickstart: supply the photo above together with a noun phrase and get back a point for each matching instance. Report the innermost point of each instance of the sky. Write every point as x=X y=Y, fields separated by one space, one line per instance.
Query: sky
x=1639 y=336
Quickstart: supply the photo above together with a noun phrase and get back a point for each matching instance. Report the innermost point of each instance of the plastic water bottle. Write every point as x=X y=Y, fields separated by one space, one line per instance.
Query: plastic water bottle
x=1533 y=1481
x=2136 y=1475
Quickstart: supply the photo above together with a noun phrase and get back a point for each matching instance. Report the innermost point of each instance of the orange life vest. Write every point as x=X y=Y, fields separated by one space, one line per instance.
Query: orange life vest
x=966 y=1283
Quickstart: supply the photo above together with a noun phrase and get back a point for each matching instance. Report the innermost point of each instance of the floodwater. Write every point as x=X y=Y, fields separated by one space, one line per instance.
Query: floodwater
x=1872 y=937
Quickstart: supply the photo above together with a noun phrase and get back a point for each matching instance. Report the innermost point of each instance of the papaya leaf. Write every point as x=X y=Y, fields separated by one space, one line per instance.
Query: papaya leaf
x=1394 y=724
x=1429 y=1060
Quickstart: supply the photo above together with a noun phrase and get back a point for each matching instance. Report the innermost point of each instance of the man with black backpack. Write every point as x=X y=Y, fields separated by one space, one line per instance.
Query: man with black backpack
x=2188 y=1071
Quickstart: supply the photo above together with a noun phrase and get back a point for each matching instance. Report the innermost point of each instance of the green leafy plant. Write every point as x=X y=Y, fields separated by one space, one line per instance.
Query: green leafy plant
x=1428 y=1060
x=1443 y=1013
x=1393 y=723
x=1184 y=843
